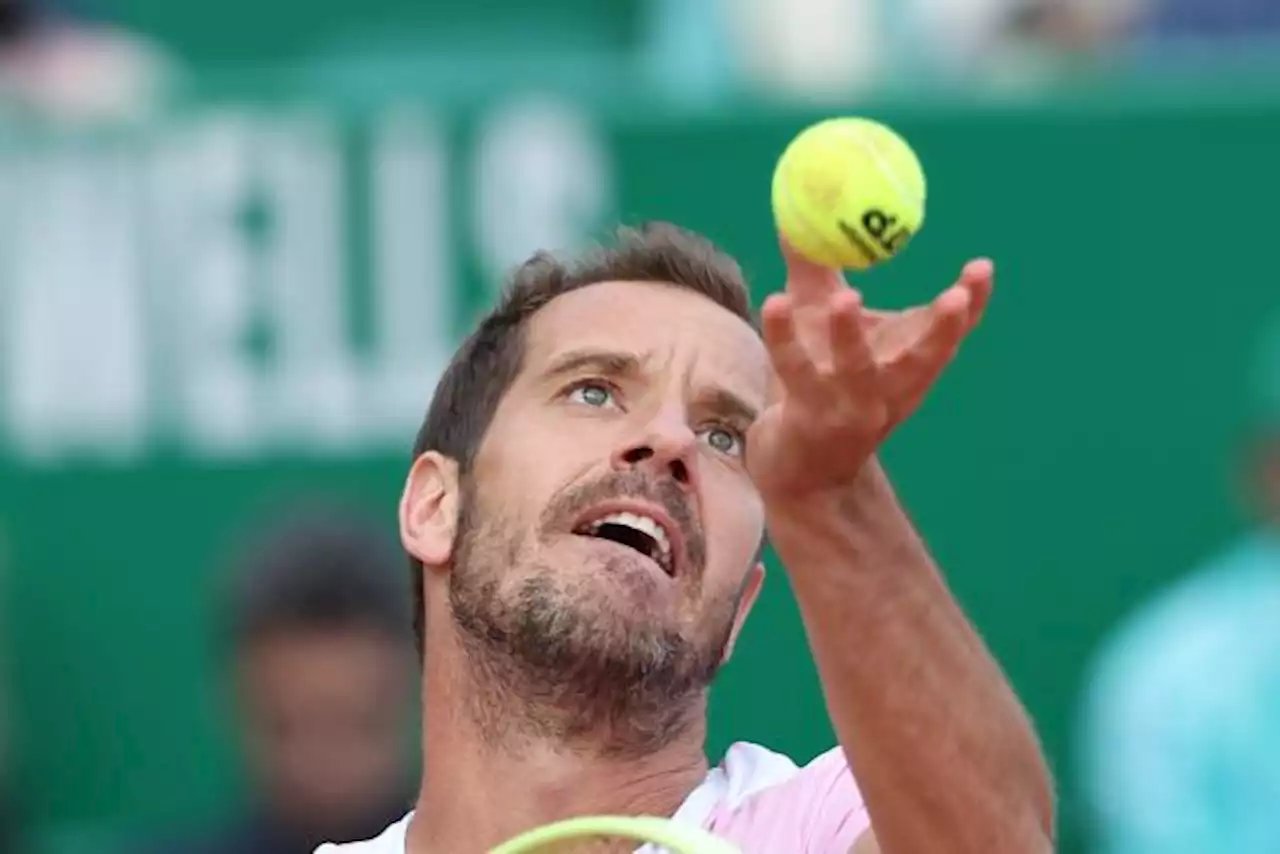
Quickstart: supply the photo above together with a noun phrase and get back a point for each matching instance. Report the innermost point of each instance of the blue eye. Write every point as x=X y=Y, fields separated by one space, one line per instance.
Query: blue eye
x=724 y=441
x=594 y=394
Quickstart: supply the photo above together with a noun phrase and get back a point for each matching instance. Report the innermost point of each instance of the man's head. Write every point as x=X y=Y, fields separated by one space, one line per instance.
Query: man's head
x=1259 y=460
x=579 y=508
x=324 y=676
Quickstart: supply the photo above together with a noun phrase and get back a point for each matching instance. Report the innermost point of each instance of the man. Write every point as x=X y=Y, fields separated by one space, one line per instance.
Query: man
x=586 y=511
x=1180 y=725
x=8 y=817
x=323 y=673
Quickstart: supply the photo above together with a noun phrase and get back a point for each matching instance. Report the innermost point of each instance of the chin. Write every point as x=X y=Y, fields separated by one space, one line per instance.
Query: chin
x=634 y=594
x=621 y=601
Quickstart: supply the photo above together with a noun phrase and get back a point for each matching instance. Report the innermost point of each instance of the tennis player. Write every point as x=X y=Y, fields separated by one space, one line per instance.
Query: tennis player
x=586 y=510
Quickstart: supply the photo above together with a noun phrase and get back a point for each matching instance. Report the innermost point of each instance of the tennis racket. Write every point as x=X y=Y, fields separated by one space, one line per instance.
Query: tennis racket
x=666 y=834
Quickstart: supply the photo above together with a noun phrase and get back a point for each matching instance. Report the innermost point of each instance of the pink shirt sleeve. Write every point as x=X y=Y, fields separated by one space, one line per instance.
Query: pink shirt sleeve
x=817 y=811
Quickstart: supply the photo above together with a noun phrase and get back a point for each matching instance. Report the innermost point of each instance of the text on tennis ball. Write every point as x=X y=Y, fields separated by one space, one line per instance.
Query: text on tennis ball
x=883 y=228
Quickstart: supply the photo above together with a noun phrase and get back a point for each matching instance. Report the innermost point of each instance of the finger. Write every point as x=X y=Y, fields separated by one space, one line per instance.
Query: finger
x=978 y=277
x=949 y=313
x=851 y=354
x=792 y=364
x=808 y=281
x=915 y=368
x=942 y=324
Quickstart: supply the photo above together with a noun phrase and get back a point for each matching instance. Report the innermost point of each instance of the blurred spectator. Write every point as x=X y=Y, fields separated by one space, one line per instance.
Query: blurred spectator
x=1180 y=746
x=325 y=677
x=8 y=822
x=57 y=63
x=1214 y=19
x=1014 y=42
x=8 y=809
x=805 y=49
x=832 y=49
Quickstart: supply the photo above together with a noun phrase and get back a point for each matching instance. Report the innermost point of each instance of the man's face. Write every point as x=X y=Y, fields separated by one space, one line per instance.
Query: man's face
x=324 y=714
x=608 y=525
x=1263 y=476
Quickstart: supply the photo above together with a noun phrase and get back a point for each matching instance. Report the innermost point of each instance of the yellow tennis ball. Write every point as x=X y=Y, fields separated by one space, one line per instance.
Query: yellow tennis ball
x=848 y=193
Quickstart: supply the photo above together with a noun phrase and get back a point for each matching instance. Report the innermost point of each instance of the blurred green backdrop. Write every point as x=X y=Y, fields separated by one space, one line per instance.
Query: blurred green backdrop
x=236 y=32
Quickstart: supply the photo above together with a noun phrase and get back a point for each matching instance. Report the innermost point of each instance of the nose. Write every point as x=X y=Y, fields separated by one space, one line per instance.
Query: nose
x=666 y=446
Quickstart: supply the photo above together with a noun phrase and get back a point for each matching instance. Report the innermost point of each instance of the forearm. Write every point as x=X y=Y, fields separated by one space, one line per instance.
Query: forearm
x=943 y=751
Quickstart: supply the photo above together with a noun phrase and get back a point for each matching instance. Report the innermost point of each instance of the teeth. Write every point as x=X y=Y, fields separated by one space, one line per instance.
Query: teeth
x=645 y=525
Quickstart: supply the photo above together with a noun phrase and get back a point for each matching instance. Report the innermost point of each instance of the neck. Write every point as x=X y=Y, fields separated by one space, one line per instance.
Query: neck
x=482 y=787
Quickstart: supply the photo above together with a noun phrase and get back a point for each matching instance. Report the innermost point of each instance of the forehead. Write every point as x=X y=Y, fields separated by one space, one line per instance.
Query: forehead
x=659 y=323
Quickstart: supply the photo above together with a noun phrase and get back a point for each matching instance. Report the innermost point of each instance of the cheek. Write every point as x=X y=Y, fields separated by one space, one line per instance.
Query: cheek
x=735 y=523
x=522 y=468
x=509 y=476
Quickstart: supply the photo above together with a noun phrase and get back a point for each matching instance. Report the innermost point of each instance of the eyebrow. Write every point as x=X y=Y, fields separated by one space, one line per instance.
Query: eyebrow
x=615 y=364
x=729 y=406
x=608 y=363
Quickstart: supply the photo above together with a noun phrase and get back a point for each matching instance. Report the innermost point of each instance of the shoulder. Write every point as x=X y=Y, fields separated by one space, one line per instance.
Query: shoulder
x=390 y=841
x=768 y=802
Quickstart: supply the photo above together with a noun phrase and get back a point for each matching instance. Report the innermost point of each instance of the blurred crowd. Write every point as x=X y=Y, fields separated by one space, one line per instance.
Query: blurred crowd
x=1181 y=723
x=67 y=59
x=827 y=47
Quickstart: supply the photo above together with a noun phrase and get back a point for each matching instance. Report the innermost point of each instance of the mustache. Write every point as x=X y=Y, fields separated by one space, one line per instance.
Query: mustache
x=571 y=503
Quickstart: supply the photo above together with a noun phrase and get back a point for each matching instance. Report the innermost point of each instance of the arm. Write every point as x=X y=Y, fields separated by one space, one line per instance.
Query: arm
x=943 y=752
x=944 y=755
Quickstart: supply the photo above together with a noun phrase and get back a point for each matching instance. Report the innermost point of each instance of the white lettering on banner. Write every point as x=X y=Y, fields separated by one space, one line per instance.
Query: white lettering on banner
x=542 y=181
x=75 y=360
x=202 y=284
x=195 y=289
x=312 y=394
x=414 y=305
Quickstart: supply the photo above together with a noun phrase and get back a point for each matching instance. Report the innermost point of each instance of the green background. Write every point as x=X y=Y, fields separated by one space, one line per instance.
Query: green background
x=239 y=31
x=1077 y=454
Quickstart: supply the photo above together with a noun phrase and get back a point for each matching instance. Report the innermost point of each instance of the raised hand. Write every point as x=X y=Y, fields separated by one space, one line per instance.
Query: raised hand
x=848 y=375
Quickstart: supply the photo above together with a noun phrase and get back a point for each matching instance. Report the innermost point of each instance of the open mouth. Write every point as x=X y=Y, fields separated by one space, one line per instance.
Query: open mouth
x=635 y=531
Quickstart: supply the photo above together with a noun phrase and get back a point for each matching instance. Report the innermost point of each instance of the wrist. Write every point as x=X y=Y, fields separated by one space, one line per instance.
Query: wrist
x=850 y=503
x=858 y=526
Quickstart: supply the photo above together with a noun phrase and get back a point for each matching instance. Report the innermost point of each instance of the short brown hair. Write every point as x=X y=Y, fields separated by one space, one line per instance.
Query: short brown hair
x=487 y=363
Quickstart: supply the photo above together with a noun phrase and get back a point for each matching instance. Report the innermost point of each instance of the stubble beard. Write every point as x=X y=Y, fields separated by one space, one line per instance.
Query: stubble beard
x=551 y=661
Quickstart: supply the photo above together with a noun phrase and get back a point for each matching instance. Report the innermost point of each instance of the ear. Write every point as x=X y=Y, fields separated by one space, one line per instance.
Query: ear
x=750 y=590
x=429 y=510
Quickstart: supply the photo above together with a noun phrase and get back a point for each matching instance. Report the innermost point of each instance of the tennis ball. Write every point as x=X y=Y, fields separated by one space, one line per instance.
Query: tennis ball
x=848 y=193
x=663 y=832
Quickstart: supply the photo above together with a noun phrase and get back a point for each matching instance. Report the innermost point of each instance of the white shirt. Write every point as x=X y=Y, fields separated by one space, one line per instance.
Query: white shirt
x=758 y=799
